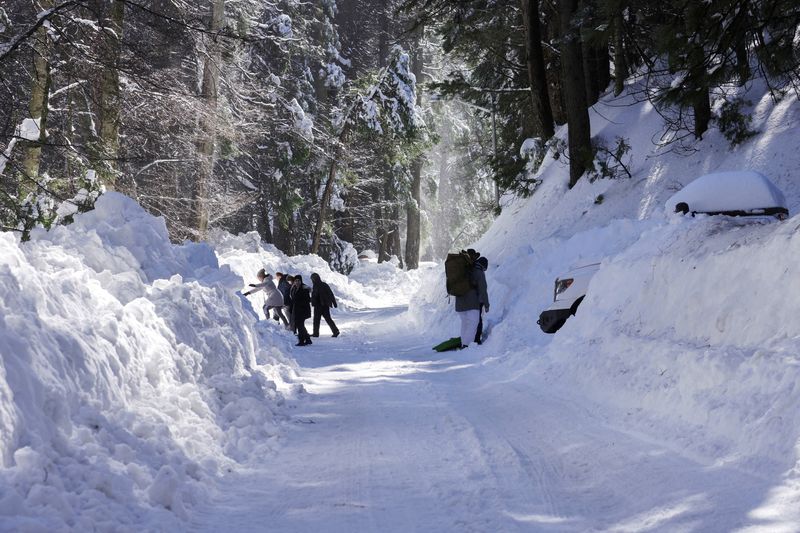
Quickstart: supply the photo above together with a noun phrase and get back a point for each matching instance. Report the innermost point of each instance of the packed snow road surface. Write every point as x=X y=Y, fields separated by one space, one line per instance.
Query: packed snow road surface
x=393 y=437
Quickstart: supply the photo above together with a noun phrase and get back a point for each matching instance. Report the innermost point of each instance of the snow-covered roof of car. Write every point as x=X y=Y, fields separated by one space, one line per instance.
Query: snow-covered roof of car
x=732 y=192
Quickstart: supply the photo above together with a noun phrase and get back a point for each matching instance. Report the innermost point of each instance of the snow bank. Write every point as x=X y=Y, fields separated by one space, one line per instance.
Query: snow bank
x=131 y=374
x=688 y=332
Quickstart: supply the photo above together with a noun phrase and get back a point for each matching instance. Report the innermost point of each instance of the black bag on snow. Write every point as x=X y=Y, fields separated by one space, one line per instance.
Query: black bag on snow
x=456 y=271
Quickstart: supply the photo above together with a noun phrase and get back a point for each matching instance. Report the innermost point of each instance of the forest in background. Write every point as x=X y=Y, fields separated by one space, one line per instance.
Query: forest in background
x=340 y=126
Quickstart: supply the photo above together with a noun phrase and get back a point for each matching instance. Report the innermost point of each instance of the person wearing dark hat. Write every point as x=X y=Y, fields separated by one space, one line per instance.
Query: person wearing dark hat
x=322 y=300
x=484 y=264
x=476 y=300
x=288 y=300
x=284 y=286
x=301 y=309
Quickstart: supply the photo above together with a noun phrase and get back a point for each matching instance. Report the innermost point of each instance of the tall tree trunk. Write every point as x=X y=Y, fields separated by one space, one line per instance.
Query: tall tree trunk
x=37 y=106
x=574 y=87
x=413 y=222
x=551 y=28
x=742 y=60
x=543 y=126
x=110 y=95
x=327 y=193
x=590 y=70
x=209 y=93
x=395 y=245
x=699 y=98
x=602 y=60
x=620 y=62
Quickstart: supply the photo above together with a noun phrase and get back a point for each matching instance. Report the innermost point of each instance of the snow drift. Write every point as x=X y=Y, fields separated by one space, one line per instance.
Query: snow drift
x=131 y=374
x=688 y=332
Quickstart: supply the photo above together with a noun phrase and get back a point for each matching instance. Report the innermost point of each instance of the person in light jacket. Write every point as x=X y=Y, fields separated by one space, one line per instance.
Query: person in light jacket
x=273 y=300
x=470 y=304
x=322 y=299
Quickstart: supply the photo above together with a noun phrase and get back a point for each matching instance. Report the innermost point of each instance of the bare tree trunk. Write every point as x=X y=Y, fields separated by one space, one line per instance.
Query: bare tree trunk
x=590 y=74
x=551 y=28
x=209 y=93
x=543 y=126
x=326 y=194
x=700 y=98
x=110 y=95
x=395 y=245
x=620 y=61
x=602 y=60
x=37 y=106
x=413 y=222
x=574 y=87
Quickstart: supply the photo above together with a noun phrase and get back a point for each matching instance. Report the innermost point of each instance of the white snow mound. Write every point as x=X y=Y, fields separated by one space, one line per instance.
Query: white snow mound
x=131 y=374
x=729 y=191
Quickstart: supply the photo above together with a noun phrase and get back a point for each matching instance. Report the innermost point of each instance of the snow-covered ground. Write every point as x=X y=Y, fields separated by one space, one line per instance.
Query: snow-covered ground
x=140 y=392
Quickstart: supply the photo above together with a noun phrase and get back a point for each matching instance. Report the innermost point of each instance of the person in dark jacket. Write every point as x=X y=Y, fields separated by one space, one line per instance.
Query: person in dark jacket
x=322 y=300
x=301 y=309
x=288 y=300
x=470 y=304
x=284 y=286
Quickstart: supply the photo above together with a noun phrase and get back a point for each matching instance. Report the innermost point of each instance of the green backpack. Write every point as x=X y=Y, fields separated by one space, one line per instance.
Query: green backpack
x=457 y=269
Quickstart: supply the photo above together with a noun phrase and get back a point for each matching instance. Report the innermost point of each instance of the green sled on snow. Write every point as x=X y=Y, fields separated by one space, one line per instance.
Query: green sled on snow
x=449 y=344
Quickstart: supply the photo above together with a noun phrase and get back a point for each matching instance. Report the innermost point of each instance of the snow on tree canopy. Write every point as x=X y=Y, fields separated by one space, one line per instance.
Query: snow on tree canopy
x=303 y=124
x=743 y=190
x=284 y=25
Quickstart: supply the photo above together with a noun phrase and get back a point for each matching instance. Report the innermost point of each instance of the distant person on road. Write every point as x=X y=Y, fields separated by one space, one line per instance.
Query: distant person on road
x=274 y=299
x=322 y=300
x=476 y=300
x=301 y=309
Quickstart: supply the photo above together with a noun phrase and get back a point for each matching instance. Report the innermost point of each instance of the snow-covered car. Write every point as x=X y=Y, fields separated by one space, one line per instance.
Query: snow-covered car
x=567 y=296
x=732 y=193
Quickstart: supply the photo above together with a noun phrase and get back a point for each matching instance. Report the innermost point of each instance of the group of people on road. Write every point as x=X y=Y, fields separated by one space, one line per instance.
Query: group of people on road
x=291 y=301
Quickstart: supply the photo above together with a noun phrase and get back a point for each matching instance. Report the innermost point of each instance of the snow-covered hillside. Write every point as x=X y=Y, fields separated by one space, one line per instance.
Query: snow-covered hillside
x=688 y=333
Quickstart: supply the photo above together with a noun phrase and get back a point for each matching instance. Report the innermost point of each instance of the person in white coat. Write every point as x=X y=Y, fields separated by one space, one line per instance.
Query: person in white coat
x=273 y=299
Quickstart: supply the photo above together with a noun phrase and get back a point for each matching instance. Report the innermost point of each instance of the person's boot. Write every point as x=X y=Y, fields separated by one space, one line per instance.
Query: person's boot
x=336 y=334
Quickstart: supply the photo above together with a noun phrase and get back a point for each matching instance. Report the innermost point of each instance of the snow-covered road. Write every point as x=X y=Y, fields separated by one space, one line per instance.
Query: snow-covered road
x=394 y=437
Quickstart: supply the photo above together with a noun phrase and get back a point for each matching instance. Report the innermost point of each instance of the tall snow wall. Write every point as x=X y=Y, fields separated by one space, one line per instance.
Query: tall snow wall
x=131 y=374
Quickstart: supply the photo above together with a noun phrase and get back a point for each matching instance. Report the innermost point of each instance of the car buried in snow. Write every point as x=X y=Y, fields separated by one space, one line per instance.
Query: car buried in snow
x=568 y=294
x=740 y=193
x=743 y=193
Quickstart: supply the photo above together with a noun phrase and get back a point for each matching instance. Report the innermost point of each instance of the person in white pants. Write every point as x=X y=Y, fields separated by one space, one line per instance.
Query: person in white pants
x=470 y=304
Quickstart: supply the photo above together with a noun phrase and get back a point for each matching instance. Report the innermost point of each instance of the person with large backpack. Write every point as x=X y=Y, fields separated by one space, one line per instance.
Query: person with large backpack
x=466 y=280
